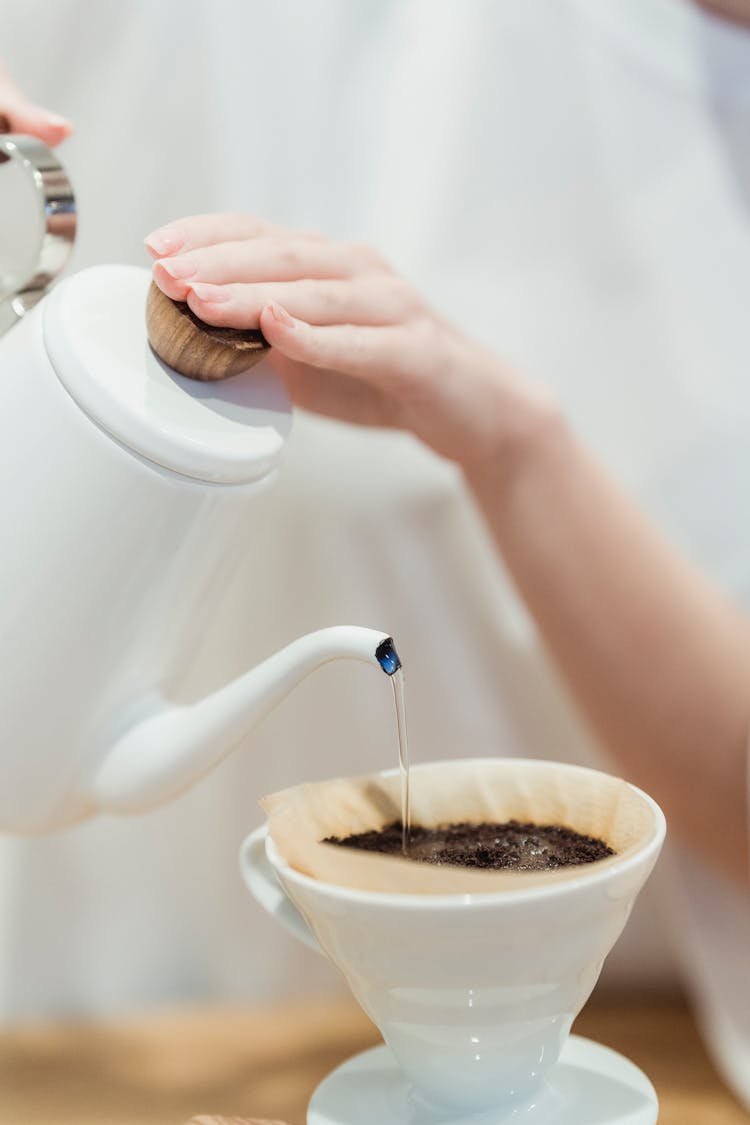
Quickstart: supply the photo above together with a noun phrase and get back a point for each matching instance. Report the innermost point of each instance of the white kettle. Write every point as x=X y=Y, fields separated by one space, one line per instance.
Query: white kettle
x=121 y=486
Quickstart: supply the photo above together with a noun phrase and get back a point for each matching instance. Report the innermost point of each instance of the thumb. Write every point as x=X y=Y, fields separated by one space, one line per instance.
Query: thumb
x=280 y=328
x=370 y=352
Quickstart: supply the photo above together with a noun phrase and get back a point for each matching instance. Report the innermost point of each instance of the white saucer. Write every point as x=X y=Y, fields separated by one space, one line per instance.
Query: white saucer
x=591 y=1085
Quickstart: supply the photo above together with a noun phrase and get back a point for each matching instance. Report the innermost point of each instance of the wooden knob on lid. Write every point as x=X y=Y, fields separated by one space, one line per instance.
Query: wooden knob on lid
x=193 y=348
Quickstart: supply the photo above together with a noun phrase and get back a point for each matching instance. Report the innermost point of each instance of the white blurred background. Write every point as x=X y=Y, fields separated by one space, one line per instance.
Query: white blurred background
x=569 y=180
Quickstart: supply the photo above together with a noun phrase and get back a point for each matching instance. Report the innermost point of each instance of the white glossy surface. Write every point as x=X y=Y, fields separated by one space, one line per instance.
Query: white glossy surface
x=229 y=432
x=168 y=748
x=589 y=1085
x=111 y=568
x=474 y=994
x=265 y=887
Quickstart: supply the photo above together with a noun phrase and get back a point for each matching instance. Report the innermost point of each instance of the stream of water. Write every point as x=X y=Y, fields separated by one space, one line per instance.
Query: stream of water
x=397 y=679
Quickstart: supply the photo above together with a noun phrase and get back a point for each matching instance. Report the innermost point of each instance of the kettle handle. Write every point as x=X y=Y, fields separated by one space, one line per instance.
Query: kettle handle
x=57 y=211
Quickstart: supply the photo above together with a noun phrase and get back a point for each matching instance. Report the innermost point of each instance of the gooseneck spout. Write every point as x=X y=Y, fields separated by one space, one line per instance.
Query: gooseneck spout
x=169 y=747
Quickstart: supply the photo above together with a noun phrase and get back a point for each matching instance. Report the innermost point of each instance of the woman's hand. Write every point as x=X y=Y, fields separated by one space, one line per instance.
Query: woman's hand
x=350 y=338
x=19 y=115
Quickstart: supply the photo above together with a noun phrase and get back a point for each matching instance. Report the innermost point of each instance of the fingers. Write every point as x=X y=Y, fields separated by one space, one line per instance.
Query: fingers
x=203 y=230
x=371 y=301
x=333 y=306
x=34 y=121
x=382 y=353
x=229 y=266
x=22 y=116
x=318 y=280
x=196 y=231
x=262 y=258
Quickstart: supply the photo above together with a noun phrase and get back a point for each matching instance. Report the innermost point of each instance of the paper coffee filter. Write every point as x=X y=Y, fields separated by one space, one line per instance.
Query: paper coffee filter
x=588 y=801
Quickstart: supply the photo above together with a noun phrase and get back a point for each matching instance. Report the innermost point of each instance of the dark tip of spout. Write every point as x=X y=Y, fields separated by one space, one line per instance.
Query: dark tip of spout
x=387 y=657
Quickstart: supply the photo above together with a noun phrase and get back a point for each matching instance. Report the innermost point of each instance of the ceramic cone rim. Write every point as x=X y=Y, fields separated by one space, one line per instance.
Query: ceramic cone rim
x=474 y=790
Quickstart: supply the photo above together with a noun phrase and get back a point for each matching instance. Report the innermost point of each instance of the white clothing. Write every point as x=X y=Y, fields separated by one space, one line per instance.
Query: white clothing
x=571 y=182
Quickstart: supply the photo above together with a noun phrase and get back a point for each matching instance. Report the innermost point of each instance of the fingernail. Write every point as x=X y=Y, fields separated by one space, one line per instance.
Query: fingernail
x=166 y=240
x=211 y=294
x=178 y=268
x=56 y=119
x=279 y=313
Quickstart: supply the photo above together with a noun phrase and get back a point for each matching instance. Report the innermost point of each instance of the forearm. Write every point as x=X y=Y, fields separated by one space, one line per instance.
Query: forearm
x=657 y=659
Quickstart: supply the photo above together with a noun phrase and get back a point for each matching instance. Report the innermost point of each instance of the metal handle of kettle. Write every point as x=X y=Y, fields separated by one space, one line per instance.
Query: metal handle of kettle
x=57 y=211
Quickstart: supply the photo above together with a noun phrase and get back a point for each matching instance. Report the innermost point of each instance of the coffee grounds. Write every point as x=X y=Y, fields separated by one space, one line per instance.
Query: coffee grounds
x=522 y=847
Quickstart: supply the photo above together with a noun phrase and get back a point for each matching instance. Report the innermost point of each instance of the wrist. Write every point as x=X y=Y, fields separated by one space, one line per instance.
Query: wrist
x=515 y=421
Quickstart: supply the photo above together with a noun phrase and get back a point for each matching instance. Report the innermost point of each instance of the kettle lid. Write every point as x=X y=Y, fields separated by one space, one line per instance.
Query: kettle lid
x=227 y=432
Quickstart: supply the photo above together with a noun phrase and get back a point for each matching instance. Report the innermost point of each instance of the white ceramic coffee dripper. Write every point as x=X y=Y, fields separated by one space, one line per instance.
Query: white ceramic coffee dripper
x=475 y=994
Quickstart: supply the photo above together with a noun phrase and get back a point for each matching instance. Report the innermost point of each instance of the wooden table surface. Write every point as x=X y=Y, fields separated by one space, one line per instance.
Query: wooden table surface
x=162 y=1069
